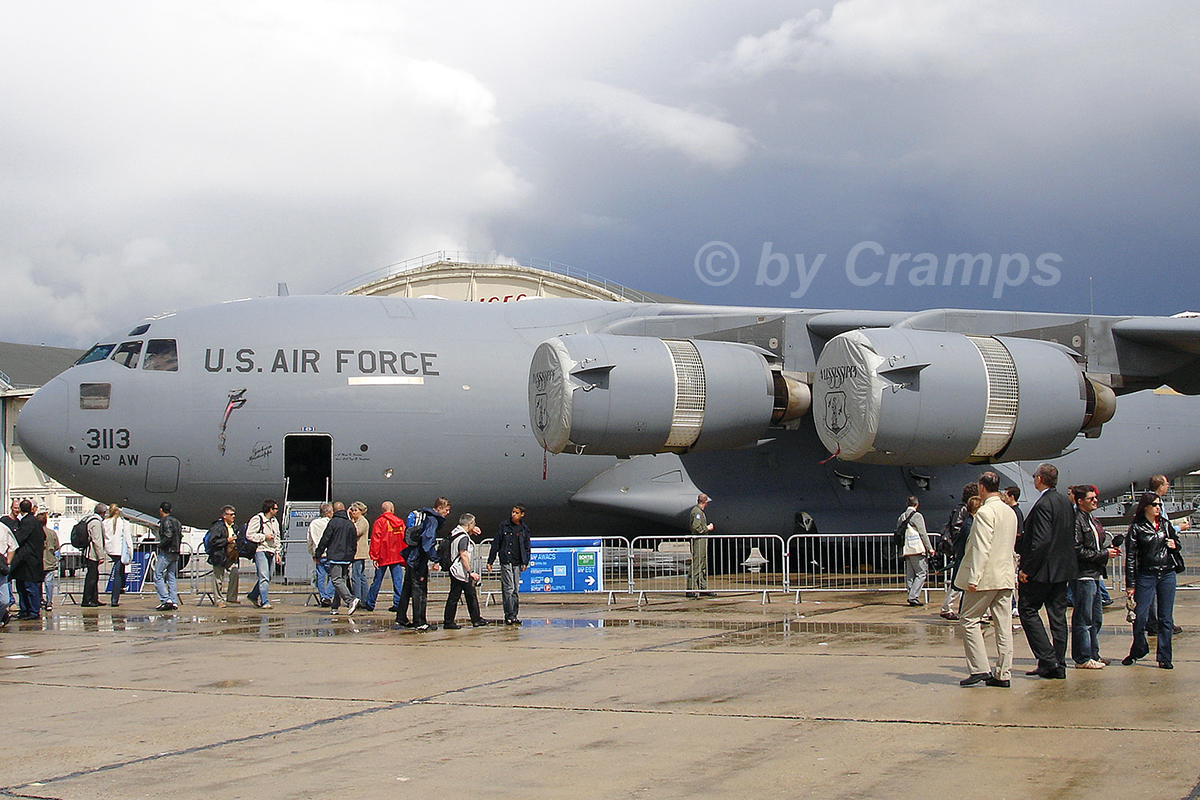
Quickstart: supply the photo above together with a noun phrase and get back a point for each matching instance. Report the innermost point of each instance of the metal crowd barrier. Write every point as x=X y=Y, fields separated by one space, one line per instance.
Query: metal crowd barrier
x=69 y=577
x=859 y=562
x=735 y=564
x=765 y=564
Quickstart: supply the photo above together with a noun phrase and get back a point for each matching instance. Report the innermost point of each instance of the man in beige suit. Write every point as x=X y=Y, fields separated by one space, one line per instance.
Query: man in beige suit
x=986 y=577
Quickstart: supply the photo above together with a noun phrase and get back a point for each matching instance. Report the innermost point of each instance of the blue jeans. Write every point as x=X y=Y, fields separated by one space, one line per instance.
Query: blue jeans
x=397 y=572
x=358 y=579
x=1087 y=616
x=1148 y=589
x=264 y=565
x=510 y=584
x=166 y=565
x=117 y=577
x=321 y=582
x=48 y=589
x=29 y=598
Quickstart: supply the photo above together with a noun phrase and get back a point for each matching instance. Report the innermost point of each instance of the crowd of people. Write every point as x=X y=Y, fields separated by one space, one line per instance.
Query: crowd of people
x=1005 y=565
x=340 y=542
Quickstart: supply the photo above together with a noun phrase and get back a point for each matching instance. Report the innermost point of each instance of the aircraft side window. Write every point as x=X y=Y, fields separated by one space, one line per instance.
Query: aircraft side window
x=161 y=355
x=94 y=396
x=99 y=352
x=127 y=354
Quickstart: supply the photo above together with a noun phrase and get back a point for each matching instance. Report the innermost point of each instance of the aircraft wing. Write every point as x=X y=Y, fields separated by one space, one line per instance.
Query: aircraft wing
x=1181 y=334
x=940 y=386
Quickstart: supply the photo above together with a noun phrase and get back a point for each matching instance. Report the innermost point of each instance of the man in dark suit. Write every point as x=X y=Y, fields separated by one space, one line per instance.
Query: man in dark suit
x=26 y=567
x=1048 y=563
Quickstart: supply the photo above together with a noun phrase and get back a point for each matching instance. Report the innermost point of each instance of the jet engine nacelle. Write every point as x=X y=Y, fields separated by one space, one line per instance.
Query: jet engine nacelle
x=903 y=396
x=631 y=395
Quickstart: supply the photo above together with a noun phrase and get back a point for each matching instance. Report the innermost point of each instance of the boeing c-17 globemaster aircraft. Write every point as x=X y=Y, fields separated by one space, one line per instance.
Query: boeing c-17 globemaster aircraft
x=608 y=417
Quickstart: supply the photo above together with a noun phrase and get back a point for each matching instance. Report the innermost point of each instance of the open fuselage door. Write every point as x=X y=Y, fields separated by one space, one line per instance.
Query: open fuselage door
x=308 y=476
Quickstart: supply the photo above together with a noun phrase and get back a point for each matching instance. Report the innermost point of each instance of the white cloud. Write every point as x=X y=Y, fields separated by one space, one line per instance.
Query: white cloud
x=645 y=124
x=904 y=38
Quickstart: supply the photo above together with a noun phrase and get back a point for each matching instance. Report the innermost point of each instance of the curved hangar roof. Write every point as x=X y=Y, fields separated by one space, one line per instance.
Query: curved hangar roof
x=460 y=276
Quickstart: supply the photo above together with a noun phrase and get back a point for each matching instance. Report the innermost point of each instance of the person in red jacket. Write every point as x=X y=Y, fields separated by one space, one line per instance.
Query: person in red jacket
x=387 y=540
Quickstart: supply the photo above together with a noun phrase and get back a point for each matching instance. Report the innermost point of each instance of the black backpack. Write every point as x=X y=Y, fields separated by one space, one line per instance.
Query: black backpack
x=446 y=552
x=246 y=548
x=79 y=534
x=902 y=529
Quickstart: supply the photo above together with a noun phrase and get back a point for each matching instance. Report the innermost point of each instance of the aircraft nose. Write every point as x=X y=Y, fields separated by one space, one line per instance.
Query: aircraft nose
x=42 y=426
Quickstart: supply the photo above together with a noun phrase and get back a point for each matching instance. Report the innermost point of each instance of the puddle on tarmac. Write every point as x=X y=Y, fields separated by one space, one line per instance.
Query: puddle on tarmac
x=707 y=634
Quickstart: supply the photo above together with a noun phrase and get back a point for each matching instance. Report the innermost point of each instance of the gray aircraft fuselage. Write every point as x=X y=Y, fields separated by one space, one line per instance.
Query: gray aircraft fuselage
x=378 y=399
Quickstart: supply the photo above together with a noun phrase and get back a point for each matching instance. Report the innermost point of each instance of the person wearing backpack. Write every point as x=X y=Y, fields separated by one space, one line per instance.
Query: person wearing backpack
x=263 y=530
x=512 y=545
x=92 y=553
x=166 y=560
x=462 y=580
x=915 y=548
x=420 y=553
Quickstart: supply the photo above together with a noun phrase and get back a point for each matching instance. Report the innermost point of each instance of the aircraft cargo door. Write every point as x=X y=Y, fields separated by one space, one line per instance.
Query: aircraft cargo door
x=308 y=466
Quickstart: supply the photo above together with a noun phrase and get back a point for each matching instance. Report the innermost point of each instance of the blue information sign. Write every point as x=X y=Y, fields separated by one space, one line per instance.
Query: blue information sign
x=136 y=573
x=564 y=565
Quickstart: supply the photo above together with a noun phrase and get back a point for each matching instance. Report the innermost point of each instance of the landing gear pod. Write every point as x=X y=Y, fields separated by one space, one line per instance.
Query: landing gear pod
x=631 y=395
x=903 y=396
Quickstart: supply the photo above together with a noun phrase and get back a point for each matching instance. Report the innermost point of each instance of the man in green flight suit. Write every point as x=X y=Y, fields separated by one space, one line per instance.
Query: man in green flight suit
x=700 y=526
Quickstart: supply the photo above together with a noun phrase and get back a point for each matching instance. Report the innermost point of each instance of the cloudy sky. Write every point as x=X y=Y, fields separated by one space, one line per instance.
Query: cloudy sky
x=158 y=155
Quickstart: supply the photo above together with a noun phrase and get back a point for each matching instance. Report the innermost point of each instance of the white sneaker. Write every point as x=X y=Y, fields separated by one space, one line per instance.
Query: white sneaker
x=353 y=605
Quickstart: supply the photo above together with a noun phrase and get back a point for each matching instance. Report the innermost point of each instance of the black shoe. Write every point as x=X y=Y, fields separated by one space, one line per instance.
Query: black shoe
x=915 y=603
x=426 y=627
x=1058 y=673
x=27 y=616
x=451 y=626
x=479 y=623
x=691 y=595
x=992 y=680
x=1176 y=629
x=1037 y=673
x=1128 y=661
x=366 y=608
x=974 y=678
x=393 y=610
x=163 y=607
x=1165 y=665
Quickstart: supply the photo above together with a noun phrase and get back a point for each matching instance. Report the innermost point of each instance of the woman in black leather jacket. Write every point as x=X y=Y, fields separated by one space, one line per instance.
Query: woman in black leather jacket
x=1150 y=573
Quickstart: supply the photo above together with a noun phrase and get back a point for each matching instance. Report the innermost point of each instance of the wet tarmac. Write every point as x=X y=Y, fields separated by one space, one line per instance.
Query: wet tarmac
x=842 y=696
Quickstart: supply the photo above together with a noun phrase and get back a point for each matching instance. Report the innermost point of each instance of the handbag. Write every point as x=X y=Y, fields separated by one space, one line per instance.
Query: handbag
x=1130 y=610
x=1177 y=559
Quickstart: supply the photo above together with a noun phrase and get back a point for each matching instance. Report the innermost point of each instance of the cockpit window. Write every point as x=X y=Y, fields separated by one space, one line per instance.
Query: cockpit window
x=93 y=396
x=127 y=354
x=161 y=355
x=99 y=352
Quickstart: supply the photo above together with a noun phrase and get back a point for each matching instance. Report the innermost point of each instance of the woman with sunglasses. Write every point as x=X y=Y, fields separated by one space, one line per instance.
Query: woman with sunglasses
x=1150 y=573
